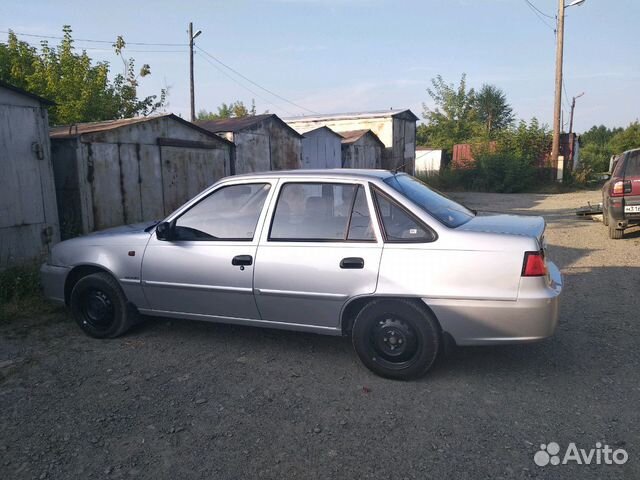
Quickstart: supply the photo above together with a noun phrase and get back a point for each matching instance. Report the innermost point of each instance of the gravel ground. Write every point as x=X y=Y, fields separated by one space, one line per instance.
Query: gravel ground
x=176 y=399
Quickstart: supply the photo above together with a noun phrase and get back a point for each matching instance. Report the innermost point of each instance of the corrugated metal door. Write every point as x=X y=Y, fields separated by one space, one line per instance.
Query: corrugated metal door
x=28 y=218
x=188 y=171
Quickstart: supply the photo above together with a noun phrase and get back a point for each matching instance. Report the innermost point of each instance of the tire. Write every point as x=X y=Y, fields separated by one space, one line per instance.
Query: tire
x=100 y=307
x=615 y=233
x=605 y=217
x=396 y=338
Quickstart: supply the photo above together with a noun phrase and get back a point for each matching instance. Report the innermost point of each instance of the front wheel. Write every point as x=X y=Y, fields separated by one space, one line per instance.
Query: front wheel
x=396 y=338
x=100 y=307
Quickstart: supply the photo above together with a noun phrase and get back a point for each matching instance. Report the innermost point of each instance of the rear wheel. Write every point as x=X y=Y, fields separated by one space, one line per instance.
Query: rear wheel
x=605 y=217
x=615 y=233
x=396 y=339
x=100 y=307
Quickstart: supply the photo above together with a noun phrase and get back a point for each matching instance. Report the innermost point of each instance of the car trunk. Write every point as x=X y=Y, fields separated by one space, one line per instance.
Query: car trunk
x=529 y=226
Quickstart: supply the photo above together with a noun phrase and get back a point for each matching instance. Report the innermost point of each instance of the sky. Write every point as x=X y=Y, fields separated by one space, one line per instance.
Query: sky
x=332 y=56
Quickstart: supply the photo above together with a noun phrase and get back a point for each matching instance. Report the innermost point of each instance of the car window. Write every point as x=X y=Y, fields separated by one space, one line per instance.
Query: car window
x=399 y=225
x=632 y=165
x=321 y=212
x=451 y=213
x=230 y=213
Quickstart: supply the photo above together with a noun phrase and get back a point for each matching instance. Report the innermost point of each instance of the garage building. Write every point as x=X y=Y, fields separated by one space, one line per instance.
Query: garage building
x=132 y=170
x=262 y=142
x=28 y=216
x=395 y=128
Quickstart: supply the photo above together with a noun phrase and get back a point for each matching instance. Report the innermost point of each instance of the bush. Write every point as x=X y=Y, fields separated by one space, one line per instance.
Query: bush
x=493 y=172
x=20 y=292
x=19 y=282
x=503 y=173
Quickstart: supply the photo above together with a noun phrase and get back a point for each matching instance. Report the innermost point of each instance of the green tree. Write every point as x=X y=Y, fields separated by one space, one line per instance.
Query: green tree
x=454 y=118
x=492 y=109
x=235 y=109
x=596 y=148
x=80 y=88
x=626 y=139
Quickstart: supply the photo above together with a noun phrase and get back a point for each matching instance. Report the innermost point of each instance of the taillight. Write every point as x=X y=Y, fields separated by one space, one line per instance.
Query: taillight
x=621 y=188
x=534 y=265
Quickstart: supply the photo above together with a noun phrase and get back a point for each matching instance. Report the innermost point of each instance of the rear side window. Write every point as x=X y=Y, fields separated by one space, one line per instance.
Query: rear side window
x=632 y=165
x=321 y=212
x=399 y=225
x=230 y=213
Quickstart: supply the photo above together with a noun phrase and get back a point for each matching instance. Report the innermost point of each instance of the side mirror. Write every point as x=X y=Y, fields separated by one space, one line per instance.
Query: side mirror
x=164 y=231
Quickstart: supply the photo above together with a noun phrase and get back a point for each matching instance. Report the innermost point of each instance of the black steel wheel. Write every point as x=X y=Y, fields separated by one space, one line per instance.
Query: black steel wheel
x=100 y=307
x=396 y=338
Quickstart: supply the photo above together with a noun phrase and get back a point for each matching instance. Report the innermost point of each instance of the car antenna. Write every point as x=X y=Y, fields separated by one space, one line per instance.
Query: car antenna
x=397 y=169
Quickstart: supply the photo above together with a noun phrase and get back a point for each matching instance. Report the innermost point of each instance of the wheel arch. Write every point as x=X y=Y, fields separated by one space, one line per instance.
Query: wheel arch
x=78 y=272
x=352 y=308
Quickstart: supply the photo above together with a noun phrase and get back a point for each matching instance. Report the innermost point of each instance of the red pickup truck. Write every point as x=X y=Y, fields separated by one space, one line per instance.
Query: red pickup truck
x=621 y=194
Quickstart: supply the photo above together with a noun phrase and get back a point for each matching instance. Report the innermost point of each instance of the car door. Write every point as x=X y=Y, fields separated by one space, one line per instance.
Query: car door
x=206 y=268
x=321 y=248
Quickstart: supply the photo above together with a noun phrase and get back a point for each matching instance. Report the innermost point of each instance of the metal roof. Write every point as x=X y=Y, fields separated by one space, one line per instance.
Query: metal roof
x=322 y=128
x=353 y=136
x=238 y=124
x=353 y=115
x=75 y=130
x=322 y=173
x=19 y=90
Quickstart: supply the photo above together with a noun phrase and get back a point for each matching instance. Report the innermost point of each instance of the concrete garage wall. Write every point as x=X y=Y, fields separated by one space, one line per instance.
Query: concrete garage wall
x=129 y=171
x=28 y=216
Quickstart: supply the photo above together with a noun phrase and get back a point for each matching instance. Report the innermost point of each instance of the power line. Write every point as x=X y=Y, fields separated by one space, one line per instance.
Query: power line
x=254 y=83
x=235 y=80
x=538 y=10
x=539 y=15
x=566 y=95
x=111 y=42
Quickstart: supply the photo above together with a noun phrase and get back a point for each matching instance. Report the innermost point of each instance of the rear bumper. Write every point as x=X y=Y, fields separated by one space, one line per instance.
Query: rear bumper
x=52 y=280
x=616 y=213
x=532 y=317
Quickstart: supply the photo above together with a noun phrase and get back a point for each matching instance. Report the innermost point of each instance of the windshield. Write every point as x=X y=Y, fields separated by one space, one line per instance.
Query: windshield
x=447 y=211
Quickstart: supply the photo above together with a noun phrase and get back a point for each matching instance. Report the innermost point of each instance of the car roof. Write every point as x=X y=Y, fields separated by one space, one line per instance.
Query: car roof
x=352 y=173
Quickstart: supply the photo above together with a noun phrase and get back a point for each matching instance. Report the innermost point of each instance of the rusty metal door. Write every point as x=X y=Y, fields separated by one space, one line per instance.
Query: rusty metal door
x=186 y=171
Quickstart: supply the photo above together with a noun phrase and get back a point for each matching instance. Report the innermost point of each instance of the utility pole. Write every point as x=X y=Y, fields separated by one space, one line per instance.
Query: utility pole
x=557 y=107
x=193 y=96
x=192 y=37
x=573 y=106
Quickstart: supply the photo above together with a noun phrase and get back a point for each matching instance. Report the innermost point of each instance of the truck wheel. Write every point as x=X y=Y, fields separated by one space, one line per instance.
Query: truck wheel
x=100 y=307
x=615 y=233
x=396 y=339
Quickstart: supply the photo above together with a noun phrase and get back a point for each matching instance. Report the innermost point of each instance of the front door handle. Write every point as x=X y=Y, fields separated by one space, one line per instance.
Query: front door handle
x=352 y=262
x=242 y=260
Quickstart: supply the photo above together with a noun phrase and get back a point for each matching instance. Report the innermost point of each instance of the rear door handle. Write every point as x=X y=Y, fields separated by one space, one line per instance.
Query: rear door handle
x=241 y=260
x=352 y=262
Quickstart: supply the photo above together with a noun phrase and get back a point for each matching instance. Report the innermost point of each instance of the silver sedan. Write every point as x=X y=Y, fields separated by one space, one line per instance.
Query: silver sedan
x=372 y=254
